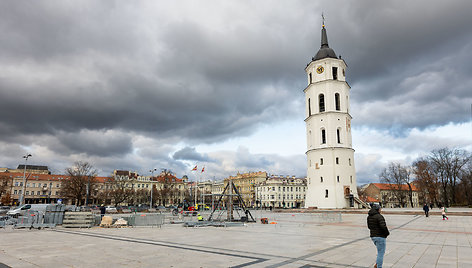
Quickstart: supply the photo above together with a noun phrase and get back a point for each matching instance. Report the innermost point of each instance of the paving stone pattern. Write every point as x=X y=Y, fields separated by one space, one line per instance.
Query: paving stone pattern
x=297 y=240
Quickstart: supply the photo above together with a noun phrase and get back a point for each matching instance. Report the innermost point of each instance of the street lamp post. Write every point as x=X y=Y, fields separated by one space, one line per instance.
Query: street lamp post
x=152 y=176
x=22 y=199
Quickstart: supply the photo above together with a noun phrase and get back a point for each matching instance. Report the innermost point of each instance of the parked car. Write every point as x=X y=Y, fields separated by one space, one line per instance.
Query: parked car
x=21 y=210
x=143 y=207
x=111 y=209
x=4 y=210
x=161 y=208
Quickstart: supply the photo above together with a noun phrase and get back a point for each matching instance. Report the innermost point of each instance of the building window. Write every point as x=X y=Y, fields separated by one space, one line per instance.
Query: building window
x=337 y=102
x=335 y=73
x=338 y=135
x=337 y=160
x=326 y=193
x=15 y=192
x=311 y=78
x=38 y=193
x=321 y=161
x=351 y=179
x=323 y=136
x=321 y=103
x=309 y=106
x=337 y=177
x=349 y=161
x=321 y=179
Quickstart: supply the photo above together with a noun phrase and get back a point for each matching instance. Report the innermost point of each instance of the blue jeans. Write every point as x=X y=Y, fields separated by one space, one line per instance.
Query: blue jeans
x=380 y=243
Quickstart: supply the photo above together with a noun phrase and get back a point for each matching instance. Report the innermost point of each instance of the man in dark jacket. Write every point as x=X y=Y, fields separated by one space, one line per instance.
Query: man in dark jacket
x=426 y=210
x=378 y=232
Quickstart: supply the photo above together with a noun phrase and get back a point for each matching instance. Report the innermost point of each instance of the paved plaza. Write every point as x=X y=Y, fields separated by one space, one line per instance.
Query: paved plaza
x=296 y=240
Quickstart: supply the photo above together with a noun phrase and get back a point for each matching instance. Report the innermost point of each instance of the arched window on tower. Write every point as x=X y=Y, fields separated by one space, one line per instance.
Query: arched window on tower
x=321 y=102
x=338 y=135
x=326 y=193
x=311 y=79
x=323 y=136
x=309 y=106
x=337 y=102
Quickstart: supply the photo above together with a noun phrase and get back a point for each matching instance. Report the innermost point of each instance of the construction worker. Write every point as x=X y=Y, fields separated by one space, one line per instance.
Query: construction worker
x=199 y=217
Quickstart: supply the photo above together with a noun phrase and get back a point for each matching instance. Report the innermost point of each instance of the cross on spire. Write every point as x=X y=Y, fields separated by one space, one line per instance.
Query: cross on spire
x=323 y=19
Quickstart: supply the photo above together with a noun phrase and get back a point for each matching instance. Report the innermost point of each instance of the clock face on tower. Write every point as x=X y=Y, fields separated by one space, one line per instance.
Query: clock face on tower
x=319 y=69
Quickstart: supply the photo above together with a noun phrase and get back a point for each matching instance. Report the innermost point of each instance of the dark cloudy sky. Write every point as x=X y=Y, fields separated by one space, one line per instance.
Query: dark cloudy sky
x=170 y=84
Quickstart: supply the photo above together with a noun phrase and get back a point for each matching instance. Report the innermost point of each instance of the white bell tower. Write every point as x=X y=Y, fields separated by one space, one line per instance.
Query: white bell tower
x=331 y=174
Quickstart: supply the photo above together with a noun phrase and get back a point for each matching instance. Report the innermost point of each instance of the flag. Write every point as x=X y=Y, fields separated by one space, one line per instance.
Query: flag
x=195 y=168
x=203 y=169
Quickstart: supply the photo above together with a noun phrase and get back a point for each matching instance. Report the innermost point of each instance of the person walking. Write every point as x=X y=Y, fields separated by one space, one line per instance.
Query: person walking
x=102 y=211
x=443 y=213
x=426 y=210
x=378 y=232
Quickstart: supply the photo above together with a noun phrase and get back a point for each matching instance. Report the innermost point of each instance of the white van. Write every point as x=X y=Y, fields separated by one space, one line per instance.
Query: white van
x=21 y=210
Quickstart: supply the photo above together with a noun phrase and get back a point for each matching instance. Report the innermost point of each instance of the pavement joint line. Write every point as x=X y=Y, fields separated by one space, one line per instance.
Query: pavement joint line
x=334 y=247
x=190 y=246
x=150 y=242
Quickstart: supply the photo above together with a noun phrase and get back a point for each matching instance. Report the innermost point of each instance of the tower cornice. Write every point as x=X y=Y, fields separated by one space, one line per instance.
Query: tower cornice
x=326 y=113
x=326 y=81
x=329 y=149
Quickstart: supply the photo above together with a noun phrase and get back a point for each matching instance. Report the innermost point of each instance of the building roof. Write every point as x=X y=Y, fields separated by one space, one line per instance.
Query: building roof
x=391 y=186
x=325 y=51
x=370 y=199
x=33 y=167
x=47 y=177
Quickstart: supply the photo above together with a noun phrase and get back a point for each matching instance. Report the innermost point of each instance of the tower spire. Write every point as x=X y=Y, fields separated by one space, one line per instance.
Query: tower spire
x=325 y=51
x=324 y=36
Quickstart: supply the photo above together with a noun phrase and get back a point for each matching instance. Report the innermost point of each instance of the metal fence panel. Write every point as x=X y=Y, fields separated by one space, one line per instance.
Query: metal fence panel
x=145 y=219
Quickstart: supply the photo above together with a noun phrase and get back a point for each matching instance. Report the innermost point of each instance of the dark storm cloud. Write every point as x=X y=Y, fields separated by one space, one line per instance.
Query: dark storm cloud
x=87 y=77
x=190 y=154
x=98 y=144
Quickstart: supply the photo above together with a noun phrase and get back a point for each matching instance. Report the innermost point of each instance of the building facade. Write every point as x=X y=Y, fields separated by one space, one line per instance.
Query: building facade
x=281 y=192
x=331 y=176
x=392 y=195
x=245 y=184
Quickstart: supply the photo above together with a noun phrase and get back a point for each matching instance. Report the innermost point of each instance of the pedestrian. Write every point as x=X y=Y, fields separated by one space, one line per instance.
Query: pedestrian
x=378 y=232
x=426 y=209
x=199 y=217
x=443 y=212
x=102 y=210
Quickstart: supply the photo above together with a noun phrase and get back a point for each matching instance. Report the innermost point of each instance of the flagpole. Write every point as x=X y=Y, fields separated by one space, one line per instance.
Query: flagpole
x=196 y=185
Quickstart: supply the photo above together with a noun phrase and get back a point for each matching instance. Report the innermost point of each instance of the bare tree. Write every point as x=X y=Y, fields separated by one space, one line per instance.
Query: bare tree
x=448 y=165
x=81 y=179
x=167 y=182
x=426 y=180
x=120 y=192
x=396 y=176
x=466 y=184
x=6 y=182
